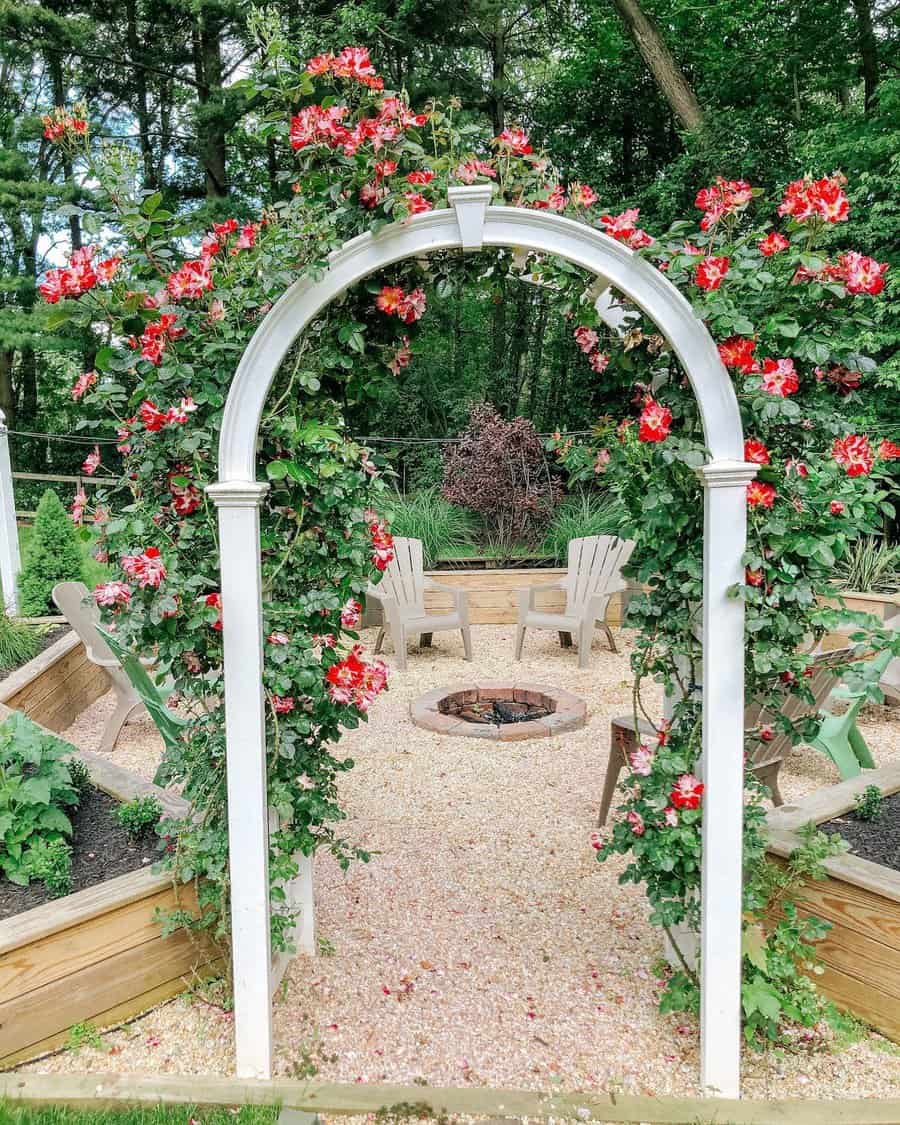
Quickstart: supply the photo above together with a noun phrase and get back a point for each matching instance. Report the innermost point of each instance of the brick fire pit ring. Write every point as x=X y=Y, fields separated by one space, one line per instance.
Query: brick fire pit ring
x=442 y=710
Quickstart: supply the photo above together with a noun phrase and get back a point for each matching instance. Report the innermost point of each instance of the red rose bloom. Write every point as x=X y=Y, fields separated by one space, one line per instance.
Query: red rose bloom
x=710 y=273
x=773 y=243
x=655 y=422
x=855 y=454
x=756 y=452
x=760 y=494
x=687 y=792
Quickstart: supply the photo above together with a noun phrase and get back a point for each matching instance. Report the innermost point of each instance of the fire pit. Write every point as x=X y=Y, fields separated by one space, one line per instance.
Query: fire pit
x=507 y=712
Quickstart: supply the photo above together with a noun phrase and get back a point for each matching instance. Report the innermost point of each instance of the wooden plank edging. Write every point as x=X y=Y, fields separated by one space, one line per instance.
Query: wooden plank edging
x=783 y=824
x=19 y=679
x=96 y=1091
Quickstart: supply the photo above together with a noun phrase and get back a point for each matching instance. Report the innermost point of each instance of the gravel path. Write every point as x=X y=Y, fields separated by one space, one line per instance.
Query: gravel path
x=483 y=943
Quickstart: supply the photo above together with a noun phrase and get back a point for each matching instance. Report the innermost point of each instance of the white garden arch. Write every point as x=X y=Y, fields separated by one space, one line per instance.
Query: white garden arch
x=470 y=223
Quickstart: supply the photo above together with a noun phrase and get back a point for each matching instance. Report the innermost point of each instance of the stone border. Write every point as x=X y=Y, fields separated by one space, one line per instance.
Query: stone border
x=570 y=712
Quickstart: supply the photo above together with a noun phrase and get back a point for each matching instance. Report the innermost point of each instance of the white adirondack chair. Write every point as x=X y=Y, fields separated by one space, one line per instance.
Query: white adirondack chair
x=594 y=575
x=83 y=616
x=401 y=593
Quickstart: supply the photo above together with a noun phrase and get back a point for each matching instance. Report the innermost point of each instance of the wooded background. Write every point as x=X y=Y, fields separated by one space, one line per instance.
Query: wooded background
x=646 y=102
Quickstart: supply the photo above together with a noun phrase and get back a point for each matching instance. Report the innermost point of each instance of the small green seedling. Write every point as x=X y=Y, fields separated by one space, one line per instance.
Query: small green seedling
x=138 y=815
x=870 y=803
x=51 y=862
x=81 y=777
x=84 y=1035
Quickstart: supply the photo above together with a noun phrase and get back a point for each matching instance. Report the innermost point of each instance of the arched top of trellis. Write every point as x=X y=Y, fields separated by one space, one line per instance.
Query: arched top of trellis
x=469 y=223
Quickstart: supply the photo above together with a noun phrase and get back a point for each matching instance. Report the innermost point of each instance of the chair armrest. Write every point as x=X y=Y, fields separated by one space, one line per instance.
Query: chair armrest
x=459 y=594
x=559 y=584
x=430 y=584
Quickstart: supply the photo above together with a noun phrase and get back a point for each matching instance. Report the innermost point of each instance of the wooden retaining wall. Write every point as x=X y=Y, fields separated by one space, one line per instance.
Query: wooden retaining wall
x=56 y=686
x=98 y=1091
x=493 y=595
x=861 y=900
x=97 y=955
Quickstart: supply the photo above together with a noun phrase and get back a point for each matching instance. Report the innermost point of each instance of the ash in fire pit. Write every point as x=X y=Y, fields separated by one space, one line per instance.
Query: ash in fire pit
x=495 y=711
x=504 y=711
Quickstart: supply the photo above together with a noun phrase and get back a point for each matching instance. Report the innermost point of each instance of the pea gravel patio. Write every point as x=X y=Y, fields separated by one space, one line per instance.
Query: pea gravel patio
x=483 y=943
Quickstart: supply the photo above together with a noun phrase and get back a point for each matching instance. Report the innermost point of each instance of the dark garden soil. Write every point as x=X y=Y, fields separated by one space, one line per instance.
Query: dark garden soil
x=101 y=850
x=876 y=840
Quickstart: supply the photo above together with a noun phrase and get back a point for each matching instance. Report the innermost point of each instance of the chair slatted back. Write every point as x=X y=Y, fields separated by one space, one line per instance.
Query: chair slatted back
x=821 y=682
x=594 y=564
x=404 y=578
x=84 y=617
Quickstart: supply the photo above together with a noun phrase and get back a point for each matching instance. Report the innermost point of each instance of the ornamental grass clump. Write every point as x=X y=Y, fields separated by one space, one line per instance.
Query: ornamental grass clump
x=53 y=555
x=18 y=642
x=445 y=529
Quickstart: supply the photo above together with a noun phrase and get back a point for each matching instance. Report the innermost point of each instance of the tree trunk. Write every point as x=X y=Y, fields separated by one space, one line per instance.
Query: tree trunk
x=498 y=75
x=140 y=92
x=210 y=124
x=661 y=63
x=54 y=63
x=868 y=49
x=7 y=393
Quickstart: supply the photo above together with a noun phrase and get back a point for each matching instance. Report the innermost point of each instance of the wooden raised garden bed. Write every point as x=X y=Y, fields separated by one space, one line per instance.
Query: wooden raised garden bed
x=96 y=955
x=493 y=597
x=56 y=686
x=886 y=607
x=861 y=900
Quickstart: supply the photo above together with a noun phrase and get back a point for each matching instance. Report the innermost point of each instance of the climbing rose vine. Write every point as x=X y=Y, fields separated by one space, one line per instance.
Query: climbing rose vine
x=174 y=309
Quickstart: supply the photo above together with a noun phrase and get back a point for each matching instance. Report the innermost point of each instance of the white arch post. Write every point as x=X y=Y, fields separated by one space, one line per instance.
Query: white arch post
x=469 y=224
x=10 y=560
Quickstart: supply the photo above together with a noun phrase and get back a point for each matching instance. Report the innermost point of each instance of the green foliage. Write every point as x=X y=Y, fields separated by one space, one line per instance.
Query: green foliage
x=51 y=863
x=871 y=565
x=53 y=556
x=35 y=789
x=584 y=513
x=80 y=776
x=14 y=1114
x=84 y=1035
x=870 y=803
x=18 y=642
x=139 y=815
x=444 y=528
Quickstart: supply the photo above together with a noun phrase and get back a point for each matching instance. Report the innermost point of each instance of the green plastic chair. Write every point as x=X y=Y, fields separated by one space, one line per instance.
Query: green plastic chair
x=839 y=737
x=168 y=723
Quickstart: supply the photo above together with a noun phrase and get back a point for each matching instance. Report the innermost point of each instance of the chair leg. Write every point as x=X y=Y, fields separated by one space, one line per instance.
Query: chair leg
x=125 y=707
x=520 y=640
x=585 y=637
x=467 y=641
x=860 y=748
x=398 y=635
x=379 y=640
x=610 y=638
x=614 y=767
x=839 y=751
x=768 y=775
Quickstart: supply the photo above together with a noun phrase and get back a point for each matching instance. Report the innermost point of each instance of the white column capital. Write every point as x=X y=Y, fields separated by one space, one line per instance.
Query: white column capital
x=470 y=203
x=727 y=474
x=236 y=493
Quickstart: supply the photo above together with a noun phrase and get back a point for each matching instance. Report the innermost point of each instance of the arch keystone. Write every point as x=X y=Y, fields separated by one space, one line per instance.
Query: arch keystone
x=470 y=205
